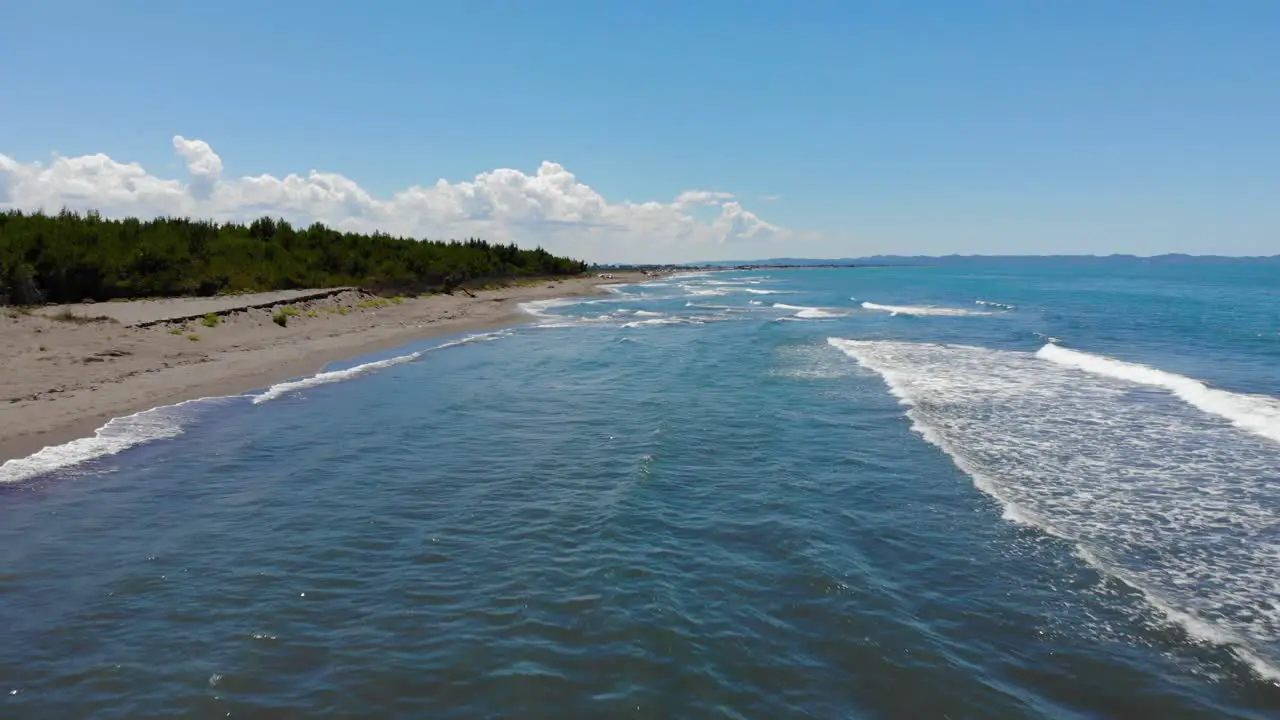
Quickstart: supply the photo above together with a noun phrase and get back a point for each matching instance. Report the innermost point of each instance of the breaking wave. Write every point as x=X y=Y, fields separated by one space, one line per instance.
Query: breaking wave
x=117 y=435
x=332 y=376
x=922 y=310
x=1178 y=504
x=809 y=313
x=1258 y=414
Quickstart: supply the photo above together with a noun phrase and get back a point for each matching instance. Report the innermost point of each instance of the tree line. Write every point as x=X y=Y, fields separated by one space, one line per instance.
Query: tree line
x=72 y=257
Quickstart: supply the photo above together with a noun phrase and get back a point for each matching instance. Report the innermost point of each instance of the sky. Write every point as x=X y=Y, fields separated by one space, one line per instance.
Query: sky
x=663 y=131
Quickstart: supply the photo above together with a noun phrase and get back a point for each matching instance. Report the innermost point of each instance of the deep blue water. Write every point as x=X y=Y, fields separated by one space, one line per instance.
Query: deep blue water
x=879 y=499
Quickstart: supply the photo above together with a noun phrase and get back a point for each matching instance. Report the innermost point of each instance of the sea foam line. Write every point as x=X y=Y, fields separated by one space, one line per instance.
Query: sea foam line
x=332 y=376
x=168 y=421
x=1259 y=414
x=922 y=310
x=539 y=308
x=117 y=435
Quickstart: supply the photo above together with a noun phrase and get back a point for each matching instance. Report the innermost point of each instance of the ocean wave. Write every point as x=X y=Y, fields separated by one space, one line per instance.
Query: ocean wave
x=722 y=308
x=1258 y=414
x=922 y=310
x=704 y=292
x=1175 y=504
x=332 y=376
x=810 y=313
x=990 y=303
x=117 y=435
x=664 y=321
x=541 y=308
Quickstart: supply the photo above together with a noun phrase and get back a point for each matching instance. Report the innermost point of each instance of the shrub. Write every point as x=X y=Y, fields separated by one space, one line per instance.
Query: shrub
x=65 y=315
x=210 y=320
x=281 y=318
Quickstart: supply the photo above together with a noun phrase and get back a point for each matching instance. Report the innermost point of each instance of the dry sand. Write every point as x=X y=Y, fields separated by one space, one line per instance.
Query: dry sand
x=63 y=378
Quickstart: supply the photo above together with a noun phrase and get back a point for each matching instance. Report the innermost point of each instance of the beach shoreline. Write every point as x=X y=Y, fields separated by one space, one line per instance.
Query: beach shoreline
x=64 y=379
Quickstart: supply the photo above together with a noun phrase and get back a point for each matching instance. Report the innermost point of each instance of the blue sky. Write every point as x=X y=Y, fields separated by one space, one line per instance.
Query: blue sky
x=839 y=128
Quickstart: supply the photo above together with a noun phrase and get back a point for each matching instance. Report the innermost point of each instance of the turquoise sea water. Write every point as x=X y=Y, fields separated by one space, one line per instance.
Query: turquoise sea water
x=1047 y=491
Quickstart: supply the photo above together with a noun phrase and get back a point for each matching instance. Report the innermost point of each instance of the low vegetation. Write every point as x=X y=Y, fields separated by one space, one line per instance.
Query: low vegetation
x=68 y=316
x=72 y=257
x=210 y=320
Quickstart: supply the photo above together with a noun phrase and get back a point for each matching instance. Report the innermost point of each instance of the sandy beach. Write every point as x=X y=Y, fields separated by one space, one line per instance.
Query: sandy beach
x=66 y=375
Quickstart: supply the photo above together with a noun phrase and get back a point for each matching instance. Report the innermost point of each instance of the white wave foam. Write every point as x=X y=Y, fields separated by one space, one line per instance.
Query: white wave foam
x=1258 y=414
x=1176 y=504
x=818 y=314
x=647 y=313
x=704 y=292
x=758 y=291
x=117 y=435
x=540 y=308
x=809 y=313
x=664 y=321
x=332 y=376
x=989 y=303
x=922 y=310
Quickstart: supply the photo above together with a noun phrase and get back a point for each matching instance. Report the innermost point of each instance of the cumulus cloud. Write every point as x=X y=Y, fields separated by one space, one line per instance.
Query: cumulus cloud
x=550 y=207
x=203 y=164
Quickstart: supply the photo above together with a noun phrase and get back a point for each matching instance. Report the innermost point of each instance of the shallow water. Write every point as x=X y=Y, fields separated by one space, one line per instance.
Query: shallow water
x=826 y=493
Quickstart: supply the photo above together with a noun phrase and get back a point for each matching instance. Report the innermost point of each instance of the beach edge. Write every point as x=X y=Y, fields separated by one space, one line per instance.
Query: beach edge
x=45 y=424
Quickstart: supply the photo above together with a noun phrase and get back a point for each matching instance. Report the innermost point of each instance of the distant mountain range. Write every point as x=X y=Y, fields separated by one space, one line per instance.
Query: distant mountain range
x=1003 y=260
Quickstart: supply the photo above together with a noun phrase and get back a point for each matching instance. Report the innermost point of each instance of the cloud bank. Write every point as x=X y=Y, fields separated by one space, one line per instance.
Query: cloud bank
x=550 y=207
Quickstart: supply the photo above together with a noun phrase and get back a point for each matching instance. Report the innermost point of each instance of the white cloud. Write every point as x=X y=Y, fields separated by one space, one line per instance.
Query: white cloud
x=203 y=164
x=702 y=197
x=550 y=207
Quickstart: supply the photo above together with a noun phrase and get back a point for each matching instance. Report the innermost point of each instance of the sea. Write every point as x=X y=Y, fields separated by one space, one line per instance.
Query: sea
x=1043 y=491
